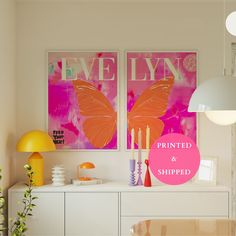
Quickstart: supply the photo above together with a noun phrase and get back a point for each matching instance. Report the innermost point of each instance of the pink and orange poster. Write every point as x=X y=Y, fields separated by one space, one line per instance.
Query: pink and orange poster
x=159 y=87
x=82 y=99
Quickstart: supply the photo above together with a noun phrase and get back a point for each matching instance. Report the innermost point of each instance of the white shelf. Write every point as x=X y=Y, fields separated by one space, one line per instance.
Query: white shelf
x=110 y=186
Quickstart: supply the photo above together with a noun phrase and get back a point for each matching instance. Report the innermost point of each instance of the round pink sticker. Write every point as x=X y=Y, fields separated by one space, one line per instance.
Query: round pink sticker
x=174 y=159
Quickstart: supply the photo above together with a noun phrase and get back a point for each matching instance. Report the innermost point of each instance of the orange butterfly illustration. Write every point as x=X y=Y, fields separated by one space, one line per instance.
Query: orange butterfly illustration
x=100 y=123
x=101 y=118
x=149 y=107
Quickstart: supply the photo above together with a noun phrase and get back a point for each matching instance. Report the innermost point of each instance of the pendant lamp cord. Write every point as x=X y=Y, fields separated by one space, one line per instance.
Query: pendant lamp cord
x=224 y=41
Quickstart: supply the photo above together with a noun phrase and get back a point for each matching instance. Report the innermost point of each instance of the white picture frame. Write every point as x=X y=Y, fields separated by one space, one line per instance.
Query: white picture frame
x=145 y=50
x=207 y=172
x=63 y=51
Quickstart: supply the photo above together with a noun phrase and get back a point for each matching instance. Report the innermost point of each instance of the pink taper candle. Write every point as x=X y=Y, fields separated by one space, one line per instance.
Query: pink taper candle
x=132 y=142
x=139 y=145
x=148 y=138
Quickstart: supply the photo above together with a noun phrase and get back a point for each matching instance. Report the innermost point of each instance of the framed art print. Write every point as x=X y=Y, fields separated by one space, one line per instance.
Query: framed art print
x=159 y=88
x=207 y=173
x=83 y=99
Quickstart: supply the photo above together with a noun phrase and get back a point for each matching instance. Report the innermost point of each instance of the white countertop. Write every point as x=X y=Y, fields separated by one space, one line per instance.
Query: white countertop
x=110 y=186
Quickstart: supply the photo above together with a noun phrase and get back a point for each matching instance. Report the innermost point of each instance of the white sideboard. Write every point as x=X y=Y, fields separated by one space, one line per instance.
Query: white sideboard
x=110 y=209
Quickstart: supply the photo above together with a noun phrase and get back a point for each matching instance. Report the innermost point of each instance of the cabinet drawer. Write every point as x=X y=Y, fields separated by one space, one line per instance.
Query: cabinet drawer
x=48 y=215
x=91 y=214
x=174 y=204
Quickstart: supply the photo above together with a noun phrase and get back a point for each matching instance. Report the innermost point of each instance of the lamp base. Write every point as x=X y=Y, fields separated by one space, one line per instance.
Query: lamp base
x=37 y=164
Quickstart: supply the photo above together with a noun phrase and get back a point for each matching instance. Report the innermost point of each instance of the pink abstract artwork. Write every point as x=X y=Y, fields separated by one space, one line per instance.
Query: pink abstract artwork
x=82 y=99
x=159 y=88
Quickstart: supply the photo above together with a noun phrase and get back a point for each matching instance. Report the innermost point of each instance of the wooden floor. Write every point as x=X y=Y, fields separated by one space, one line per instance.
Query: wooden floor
x=201 y=227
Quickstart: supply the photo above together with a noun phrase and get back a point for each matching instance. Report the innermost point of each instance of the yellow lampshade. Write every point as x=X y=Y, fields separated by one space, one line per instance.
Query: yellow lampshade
x=35 y=141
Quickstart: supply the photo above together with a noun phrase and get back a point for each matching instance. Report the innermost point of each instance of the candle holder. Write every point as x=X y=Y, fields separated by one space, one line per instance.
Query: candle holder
x=139 y=182
x=147 y=180
x=132 y=164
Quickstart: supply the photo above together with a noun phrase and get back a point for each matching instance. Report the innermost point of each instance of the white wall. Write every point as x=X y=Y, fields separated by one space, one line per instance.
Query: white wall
x=168 y=25
x=7 y=89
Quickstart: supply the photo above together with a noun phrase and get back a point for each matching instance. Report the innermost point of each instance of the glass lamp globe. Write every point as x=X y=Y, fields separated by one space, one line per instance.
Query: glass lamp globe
x=222 y=117
x=217 y=99
x=231 y=23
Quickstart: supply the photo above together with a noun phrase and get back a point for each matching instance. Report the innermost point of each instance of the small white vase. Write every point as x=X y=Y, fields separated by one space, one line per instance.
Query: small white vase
x=58 y=176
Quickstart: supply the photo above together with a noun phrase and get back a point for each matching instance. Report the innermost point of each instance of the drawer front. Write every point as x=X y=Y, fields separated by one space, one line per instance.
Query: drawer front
x=91 y=214
x=175 y=204
x=48 y=215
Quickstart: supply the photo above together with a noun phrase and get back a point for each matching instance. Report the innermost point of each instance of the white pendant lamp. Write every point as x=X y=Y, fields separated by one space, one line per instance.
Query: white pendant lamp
x=230 y=23
x=217 y=98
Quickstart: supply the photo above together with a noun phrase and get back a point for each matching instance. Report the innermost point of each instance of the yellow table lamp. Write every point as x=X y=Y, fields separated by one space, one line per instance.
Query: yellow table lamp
x=36 y=141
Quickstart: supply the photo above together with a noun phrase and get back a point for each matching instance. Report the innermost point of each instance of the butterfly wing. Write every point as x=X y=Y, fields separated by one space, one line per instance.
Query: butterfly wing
x=100 y=130
x=151 y=105
x=100 y=123
x=156 y=127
